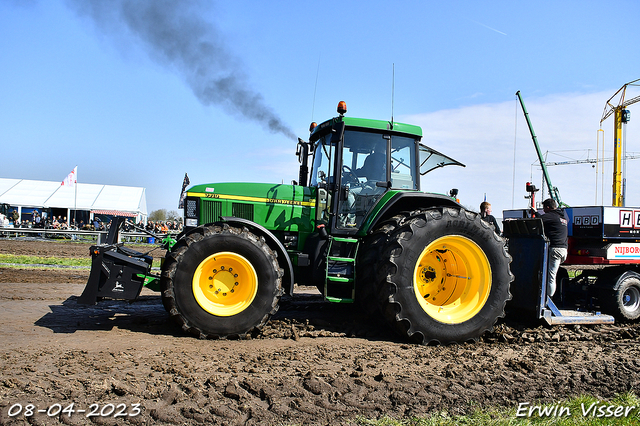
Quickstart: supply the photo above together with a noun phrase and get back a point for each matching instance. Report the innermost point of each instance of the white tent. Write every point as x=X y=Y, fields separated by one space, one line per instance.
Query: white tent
x=105 y=199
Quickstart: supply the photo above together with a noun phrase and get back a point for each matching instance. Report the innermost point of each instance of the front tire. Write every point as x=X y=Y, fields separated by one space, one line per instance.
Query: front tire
x=221 y=281
x=446 y=277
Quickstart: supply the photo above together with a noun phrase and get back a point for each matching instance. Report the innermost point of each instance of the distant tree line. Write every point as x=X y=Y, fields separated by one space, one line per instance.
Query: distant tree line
x=164 y=215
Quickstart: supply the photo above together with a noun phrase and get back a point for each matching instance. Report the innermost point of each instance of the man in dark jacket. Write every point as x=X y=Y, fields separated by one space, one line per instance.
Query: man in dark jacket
x=555 y=228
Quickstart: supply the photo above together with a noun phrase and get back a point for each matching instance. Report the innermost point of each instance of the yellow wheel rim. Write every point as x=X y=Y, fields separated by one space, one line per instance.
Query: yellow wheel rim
x=452 y=279
x=225 y=284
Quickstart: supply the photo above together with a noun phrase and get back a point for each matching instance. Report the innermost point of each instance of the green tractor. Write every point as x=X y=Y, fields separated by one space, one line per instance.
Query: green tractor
x=357 y=227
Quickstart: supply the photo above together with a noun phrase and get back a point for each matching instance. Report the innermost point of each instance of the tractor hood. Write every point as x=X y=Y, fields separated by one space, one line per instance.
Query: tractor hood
x=267 y=193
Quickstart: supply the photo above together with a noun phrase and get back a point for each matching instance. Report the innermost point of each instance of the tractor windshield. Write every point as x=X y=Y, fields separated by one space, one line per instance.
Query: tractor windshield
x=368 y=161
x=365 y=157
x=403 y=163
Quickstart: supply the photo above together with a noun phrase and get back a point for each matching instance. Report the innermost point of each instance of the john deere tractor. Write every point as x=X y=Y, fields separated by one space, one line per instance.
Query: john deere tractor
x=357 y=227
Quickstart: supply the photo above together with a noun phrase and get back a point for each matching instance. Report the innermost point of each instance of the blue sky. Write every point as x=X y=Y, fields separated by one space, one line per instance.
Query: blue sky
x=82 y=84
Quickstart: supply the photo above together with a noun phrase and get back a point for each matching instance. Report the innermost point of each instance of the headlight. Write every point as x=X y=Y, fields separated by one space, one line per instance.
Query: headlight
x=190 y=208
x=192 y=222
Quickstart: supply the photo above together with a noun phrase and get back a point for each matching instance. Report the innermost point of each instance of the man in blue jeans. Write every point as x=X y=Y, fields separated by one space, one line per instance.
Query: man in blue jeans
x=555 y=228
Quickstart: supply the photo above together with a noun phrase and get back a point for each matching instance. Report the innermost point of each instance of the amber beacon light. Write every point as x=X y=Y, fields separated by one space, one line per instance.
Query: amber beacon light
x=342 y=107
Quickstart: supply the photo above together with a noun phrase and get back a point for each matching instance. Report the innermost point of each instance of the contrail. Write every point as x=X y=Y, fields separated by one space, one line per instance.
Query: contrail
x=175 y=35
x=488 y=27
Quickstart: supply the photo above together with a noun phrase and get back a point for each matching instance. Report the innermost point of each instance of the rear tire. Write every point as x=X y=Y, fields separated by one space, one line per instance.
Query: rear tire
x=369 y=266
x=221 y=281
x=446 y=277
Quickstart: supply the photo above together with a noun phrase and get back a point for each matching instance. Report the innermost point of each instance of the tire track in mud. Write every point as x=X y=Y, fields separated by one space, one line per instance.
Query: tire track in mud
x=321 y=383
x=314 y=363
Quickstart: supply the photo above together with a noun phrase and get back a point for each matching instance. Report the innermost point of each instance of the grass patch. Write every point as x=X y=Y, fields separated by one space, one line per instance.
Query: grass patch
x=36 y=260
x=579 y=411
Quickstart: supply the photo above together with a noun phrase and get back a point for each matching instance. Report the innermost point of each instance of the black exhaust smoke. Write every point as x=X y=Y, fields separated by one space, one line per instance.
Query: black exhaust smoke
x=176 y=36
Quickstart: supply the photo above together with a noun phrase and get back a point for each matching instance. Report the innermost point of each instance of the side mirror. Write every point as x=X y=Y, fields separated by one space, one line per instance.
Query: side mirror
x=302 y=150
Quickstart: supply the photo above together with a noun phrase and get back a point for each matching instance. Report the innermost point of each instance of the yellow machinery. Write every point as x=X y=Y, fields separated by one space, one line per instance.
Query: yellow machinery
x=621 y=116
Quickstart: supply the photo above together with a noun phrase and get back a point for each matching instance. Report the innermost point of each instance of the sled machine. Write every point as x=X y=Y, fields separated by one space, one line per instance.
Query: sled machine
x=602 y=269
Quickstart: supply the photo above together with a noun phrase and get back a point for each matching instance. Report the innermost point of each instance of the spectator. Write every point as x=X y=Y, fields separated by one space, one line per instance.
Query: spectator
x=485 y=214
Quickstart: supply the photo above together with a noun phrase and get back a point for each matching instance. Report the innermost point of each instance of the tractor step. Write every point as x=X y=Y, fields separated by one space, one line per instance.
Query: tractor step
x=341 y=259
x=340 y=274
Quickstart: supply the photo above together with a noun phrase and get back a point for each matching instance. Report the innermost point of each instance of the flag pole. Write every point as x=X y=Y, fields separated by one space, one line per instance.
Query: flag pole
x=75 y=199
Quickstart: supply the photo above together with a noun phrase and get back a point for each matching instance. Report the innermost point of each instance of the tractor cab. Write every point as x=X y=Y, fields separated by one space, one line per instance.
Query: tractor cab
x=356 y=161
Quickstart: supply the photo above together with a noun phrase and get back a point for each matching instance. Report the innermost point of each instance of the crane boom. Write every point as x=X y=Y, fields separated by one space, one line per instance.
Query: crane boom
x=589 y=160
x=619 y=119
x=553 y=191
x=609 y=108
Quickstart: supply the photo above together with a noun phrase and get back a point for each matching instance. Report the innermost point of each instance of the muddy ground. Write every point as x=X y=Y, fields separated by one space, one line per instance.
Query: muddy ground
x=314 y=363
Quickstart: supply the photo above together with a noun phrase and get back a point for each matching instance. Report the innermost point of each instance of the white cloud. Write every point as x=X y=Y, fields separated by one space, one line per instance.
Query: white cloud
x=484 y=137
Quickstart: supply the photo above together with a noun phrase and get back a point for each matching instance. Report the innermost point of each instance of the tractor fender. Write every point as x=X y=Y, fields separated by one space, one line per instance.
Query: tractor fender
x=283 y=257
x=408 y=201
x=613 y=277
